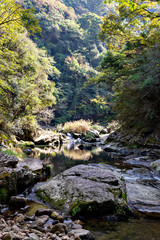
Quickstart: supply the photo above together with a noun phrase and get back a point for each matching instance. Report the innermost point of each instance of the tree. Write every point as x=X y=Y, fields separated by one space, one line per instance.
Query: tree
x=24 y=86
x=131 y=19
x=131 y=67
x=13 y=15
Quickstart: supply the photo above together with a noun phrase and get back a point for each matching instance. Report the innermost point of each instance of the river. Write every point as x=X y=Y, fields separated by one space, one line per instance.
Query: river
x=136 y=228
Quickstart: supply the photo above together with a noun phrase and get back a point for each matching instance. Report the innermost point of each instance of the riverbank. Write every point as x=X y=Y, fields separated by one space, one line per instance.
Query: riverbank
x=138 y=167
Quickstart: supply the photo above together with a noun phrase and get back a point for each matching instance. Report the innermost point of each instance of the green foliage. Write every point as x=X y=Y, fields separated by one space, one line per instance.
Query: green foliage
x=72 y=40
x=3 y=194
x=24 y=86
x=131 y=67
x=14 y=17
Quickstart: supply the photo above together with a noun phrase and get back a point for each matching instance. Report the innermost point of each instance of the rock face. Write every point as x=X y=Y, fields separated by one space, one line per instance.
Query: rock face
x=7 y=160
x=156 y=165
x=86 y=191
x=31 y=164
x=13 y=181
x=144 y=199
x=49 y=137
x=15 y=178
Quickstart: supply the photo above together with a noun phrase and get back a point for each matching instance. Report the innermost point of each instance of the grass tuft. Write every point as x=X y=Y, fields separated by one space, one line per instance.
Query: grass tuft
x=80 y=126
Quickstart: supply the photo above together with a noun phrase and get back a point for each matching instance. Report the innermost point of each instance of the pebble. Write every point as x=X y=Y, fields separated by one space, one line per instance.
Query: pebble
x=42 y=227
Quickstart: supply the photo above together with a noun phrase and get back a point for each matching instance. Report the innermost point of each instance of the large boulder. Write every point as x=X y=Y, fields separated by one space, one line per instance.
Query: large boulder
x=49 y=137
x=144 y=199
x=8 y=160
x=32 y=164
x=86 y=191
x=16 y=176
x=13 y=181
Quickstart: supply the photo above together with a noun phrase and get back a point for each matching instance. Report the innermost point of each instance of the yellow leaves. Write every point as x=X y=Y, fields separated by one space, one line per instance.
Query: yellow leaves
x=14 y=18
x=100 y=100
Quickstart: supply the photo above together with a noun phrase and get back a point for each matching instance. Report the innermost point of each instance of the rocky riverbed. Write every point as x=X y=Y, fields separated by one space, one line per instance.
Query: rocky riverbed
x=118 y=182
x=44 y=224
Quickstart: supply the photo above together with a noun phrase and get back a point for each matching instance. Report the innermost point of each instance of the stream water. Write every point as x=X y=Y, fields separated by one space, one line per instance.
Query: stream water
x=102 y=229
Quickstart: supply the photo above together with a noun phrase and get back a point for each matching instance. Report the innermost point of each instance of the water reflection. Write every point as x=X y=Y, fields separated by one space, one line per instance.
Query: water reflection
x=142 y=229
x=77 y=154
x=68 y=156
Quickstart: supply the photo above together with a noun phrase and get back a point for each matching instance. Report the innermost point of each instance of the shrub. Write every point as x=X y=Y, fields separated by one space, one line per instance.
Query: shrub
x=80 y=126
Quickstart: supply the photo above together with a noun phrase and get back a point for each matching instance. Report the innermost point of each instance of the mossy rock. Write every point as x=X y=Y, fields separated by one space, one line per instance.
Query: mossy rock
x=85 y=191
x=3 y=194
x=92 y=209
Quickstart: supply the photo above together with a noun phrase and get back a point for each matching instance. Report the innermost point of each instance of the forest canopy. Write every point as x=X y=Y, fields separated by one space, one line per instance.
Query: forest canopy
x=131 y=66
x=24 y=85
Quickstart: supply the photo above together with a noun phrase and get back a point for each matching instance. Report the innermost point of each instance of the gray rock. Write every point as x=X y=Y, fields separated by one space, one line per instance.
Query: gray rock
x=7 y=236
x=86 y=190
x=82 y=234
x=91 y=136
x=156 y=165
x=17 y=202
x=59 y=227
x=7 y=160
x=44 y=218
x=14 y=180
x=60 y=218
x=76 y=226
x=48 y=137
x=144 y=199
x=103 y=138
x=33 y=236
x=139 y=161
x=31 y=164
x=42 y=211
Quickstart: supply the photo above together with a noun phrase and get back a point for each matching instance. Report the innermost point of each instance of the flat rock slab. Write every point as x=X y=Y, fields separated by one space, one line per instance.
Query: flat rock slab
x=86 y=190
x=139 y=162
x=32 y=164
x=144 y=199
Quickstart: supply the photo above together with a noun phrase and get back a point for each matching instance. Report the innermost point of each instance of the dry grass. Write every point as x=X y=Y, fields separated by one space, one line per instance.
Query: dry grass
x=80 y=126
x=77 y=154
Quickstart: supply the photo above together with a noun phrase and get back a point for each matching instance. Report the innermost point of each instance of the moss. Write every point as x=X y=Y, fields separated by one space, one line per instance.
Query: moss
x=78 y=207
x=4 y=175
x=59 y=204
x=48 y=170
x=14 y=153
x=3 y=194
x=122 y=179
x=26 y=144
x=93 y=179
x=91 y=209
x=41 y=195
x=134 y=146
x=89 y=135
x=124 y=196
x=75 y=210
